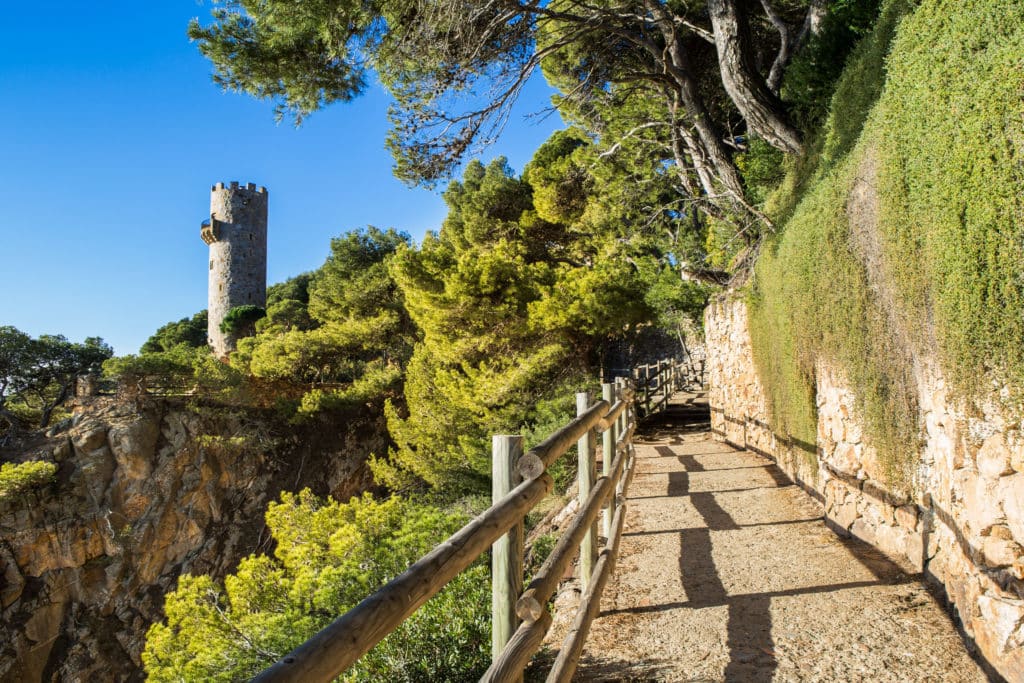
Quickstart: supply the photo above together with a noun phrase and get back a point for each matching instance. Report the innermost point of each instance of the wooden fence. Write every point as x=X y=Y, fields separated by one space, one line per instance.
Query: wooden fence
x=655 y=383
x=520 y=618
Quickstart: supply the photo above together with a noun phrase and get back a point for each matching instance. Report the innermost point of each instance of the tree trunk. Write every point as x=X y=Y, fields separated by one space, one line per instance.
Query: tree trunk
x=711 y=152
x=762 y=110
x=785 y=53
x=13 y=424
x=48 y=407
x=712 y=147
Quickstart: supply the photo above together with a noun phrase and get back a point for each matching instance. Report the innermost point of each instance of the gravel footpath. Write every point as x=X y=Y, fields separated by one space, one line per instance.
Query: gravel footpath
x=727 y=573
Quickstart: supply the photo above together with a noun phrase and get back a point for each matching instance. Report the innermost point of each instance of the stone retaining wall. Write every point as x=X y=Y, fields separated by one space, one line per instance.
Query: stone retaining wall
x=962 y=526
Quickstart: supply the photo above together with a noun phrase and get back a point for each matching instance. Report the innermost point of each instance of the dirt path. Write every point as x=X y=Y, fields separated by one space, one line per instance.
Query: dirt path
x=728 y=573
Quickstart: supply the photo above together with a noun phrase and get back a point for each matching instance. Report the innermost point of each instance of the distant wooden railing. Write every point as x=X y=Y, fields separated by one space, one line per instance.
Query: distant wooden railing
x=656 y=382
x=520 y=618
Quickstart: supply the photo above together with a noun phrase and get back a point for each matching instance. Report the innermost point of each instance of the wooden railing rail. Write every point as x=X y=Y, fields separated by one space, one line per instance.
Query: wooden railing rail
x=656 y=382
x=336 y=647
x=618 y=425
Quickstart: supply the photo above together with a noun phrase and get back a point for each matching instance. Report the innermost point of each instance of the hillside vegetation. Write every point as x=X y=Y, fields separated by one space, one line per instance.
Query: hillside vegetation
x=903 y=228
x=489 y=326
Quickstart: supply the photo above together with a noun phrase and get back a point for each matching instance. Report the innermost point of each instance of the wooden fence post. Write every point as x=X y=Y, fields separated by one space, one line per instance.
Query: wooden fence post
x=507 y=551
x=608 y=451
x=585 y=448
x=665 y=383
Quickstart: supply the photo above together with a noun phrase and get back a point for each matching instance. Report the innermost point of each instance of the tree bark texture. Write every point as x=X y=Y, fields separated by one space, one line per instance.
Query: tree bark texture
x=762 y=110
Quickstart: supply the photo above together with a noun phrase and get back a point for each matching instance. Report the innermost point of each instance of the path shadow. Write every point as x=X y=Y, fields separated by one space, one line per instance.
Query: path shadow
x=618 y=670
x=678 y=419
x=655 y=532
x=751 y=648
x=749 y=623
x=697 y=570
x=778 y=476
x=679 y=494
x=688 y=461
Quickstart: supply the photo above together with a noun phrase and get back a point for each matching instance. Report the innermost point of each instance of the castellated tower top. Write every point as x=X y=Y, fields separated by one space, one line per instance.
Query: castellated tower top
x=237 y=234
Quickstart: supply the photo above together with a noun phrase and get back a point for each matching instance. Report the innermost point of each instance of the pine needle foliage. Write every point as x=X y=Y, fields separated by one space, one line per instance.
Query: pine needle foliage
x=329 y=556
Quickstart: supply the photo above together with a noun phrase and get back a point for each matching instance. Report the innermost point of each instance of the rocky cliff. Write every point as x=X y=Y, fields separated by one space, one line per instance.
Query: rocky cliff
x=147 y=490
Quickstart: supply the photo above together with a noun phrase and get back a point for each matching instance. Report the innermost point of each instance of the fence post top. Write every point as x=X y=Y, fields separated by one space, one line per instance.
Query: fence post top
x=509 y=441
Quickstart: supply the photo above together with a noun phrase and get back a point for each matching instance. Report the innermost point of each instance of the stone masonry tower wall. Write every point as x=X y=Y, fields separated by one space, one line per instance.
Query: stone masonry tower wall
x=237 y=235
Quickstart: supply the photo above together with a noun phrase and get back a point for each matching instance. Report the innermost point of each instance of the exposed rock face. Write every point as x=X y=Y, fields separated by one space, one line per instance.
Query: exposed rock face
x=962 y=525
x=147 y=491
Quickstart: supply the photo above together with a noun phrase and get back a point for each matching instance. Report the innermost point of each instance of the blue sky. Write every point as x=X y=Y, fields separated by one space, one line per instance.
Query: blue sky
x=111 y=134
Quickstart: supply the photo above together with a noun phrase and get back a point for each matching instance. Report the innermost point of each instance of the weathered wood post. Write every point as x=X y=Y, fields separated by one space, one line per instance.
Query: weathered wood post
x=507 y=551
x=647 y=389
x=620 y=385
x=586 y=447
x=664 y=383
x=608 y=452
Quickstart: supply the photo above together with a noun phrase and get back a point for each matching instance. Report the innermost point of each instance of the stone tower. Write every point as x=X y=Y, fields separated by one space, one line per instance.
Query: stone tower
x=237 y=235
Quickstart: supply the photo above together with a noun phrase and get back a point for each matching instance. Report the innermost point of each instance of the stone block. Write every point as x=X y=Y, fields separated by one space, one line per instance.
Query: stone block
x=915 y=550
x=906 y=517
x=845 y=458
x=1000 y=552
x=844 y=515
x=996 y=626
x=892 y=541
x=993 y=458
x=863 y=530
x=1017 y=456
x=981 y=502
x=854 y=430
x=1012 y=492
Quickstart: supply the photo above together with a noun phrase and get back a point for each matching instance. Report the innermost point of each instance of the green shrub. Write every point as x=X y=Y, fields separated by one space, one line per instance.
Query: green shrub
x=180 y=369
x=762 y=168
x=16 y=479
x=190 y=331
x=377 y=382
x=812 y=75
x=329 y=556
x=950 y=178
x=241 y=318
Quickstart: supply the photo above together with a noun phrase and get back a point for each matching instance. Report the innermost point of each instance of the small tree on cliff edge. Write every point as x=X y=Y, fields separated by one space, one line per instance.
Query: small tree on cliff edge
x=37 y=375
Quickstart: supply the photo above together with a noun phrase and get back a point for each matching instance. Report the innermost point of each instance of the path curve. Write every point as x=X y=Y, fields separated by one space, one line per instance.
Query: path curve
x=727 y=573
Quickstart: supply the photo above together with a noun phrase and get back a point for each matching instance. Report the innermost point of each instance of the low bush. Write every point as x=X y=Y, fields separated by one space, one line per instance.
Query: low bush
x=329 y=556
x=16 y=479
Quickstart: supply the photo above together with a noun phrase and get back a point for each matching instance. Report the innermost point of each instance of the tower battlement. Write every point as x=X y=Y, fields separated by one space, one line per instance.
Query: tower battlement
x=236 y=233
x=234 y=185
